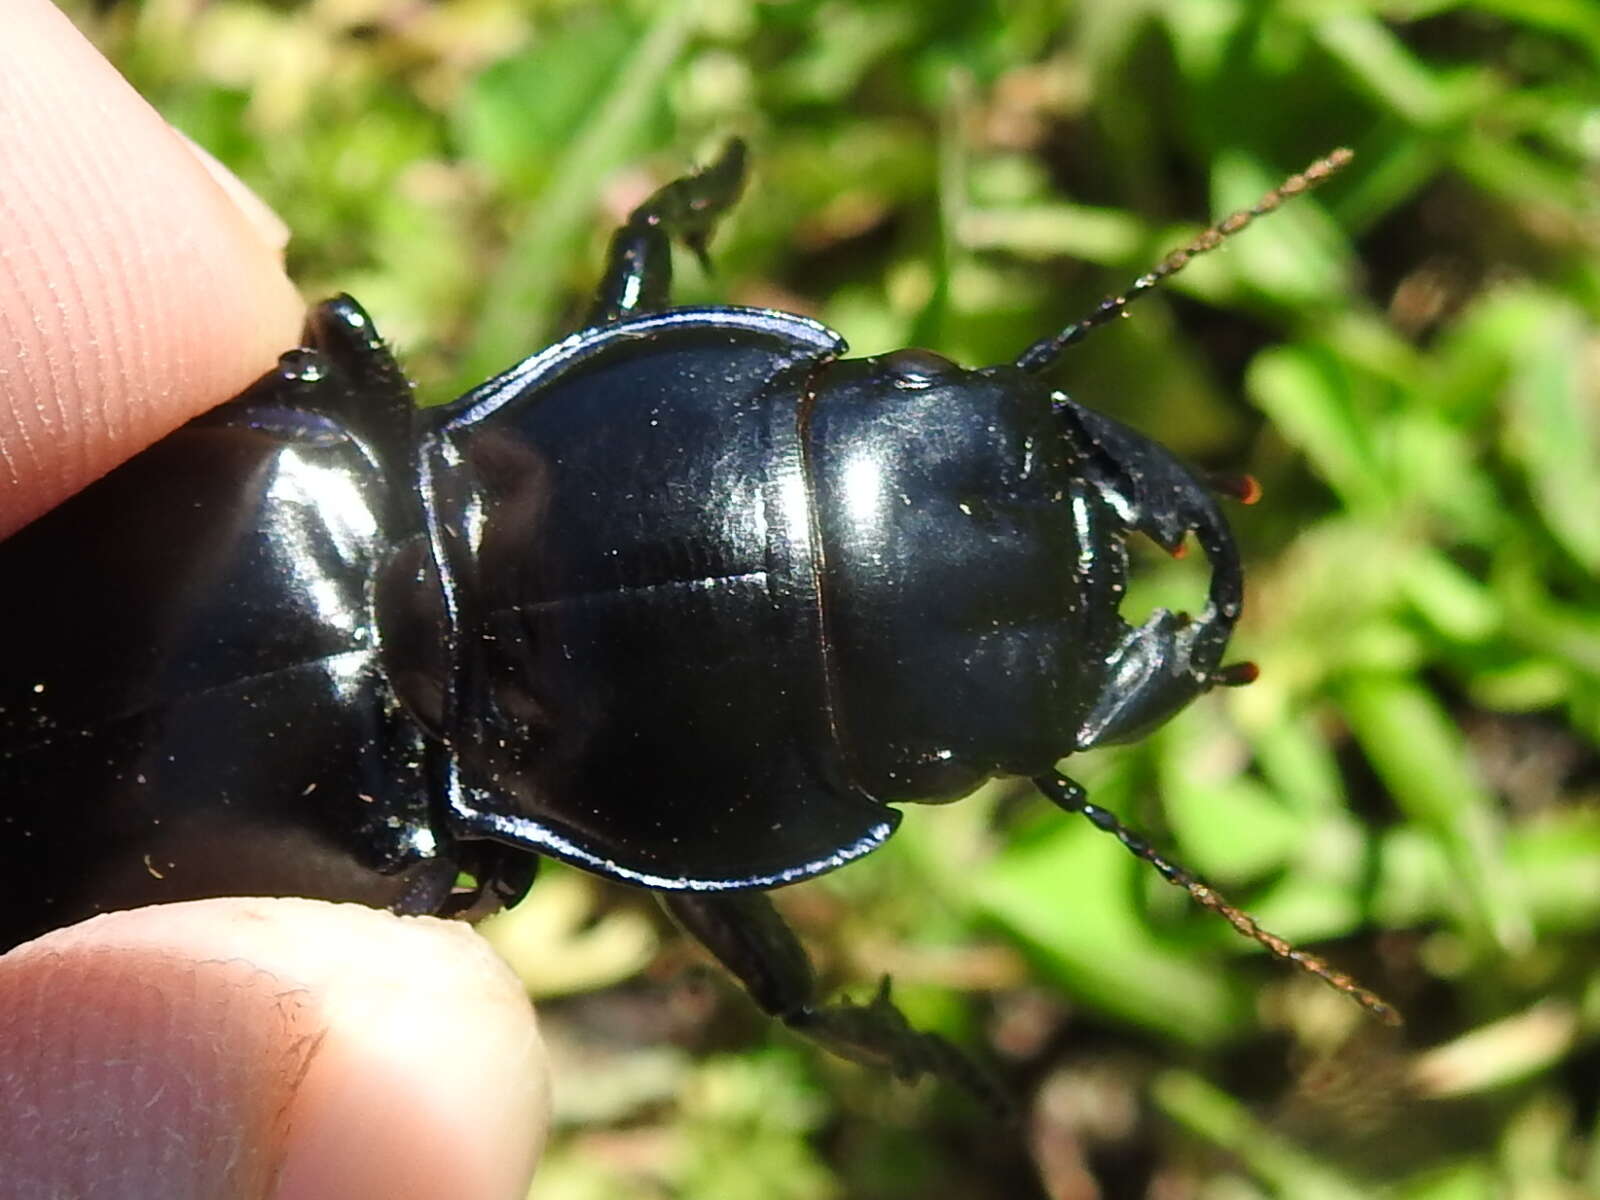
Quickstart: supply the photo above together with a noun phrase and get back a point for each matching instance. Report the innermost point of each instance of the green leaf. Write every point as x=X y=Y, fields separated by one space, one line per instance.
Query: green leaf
x=1558 y=862
x=1233 y=830
x=1378 y=60
x=1222 y=1120
x=1107 y=236
x=521 y=113
x=1455 y=603
x=1425 y=763
x=1575 y=19
x=1310 y=401
x=1297 y=763
x=1554 y=430
x=1065 y=899
x=519 y=300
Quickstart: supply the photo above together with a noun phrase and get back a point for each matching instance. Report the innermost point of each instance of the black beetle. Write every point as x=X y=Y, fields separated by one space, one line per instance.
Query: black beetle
x=686 y=600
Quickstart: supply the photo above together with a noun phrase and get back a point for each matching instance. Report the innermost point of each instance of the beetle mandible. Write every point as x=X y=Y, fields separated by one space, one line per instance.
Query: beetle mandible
x=687 y=600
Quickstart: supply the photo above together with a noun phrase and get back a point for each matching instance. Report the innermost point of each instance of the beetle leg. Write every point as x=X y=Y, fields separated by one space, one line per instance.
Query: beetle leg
x=345 y=372
x=638 y=277
x=502 y=874
x=342 y=330
x=747 y=935
x=377 y=402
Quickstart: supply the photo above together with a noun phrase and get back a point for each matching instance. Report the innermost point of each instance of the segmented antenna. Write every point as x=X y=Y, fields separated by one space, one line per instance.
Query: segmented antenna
x=1070 y=796
x=1045 y=351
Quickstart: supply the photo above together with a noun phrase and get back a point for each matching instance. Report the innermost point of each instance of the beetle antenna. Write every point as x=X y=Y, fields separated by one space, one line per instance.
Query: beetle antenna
x=1045 y=351
x=1067 y=794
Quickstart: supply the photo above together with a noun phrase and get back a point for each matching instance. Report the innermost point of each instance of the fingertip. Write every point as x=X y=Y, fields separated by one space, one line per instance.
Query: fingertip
x=332 y=1049
x=137 y=291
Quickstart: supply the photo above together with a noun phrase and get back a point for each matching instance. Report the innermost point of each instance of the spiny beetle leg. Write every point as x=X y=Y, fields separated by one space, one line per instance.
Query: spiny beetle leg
x=342 y=330
x=748 y=936
x=374 y=394
x=638 y=275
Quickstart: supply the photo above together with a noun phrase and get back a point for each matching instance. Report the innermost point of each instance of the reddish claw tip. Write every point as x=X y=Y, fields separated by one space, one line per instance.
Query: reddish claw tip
x=1242 y=488
x=1181 y=550
x=1236 y=674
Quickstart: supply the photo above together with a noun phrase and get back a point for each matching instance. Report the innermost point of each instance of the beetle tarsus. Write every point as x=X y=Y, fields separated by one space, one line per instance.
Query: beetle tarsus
x=638 y=276
x=748 y=937
x=877 y=1034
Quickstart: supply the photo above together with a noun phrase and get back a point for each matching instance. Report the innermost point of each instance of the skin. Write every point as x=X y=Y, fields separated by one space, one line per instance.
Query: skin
x=222 y=1048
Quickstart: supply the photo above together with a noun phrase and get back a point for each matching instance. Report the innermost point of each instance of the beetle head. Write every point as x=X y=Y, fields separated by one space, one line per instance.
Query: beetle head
x=953 y=617
x=972 y=530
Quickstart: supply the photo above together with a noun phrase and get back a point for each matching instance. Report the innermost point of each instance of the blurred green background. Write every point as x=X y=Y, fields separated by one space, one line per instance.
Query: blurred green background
x=1408 y=362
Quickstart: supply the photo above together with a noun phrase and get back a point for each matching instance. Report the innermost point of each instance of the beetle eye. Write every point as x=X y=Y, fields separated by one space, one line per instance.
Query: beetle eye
x=917 y=368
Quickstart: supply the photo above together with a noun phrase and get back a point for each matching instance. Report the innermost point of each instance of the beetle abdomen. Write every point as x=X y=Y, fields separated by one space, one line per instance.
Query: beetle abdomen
x=192 y=701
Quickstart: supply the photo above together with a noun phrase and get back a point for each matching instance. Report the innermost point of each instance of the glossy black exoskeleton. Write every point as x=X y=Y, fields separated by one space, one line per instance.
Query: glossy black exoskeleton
x=687 y=600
